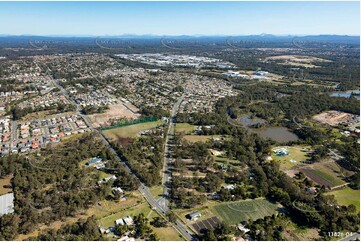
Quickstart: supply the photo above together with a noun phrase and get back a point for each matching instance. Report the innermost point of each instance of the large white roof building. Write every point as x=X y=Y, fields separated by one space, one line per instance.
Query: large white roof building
x=6 y=203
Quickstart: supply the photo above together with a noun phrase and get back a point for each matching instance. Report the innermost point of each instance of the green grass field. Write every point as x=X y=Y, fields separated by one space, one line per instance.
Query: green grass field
x=109 y=221
x=184 y=127
x=236 y=212
x=297 y=153
x=168 y=234
x=130 y=131
x=347 y=196
x=156 y=191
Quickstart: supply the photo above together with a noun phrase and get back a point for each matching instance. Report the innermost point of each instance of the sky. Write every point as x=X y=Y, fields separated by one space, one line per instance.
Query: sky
x=179 y=18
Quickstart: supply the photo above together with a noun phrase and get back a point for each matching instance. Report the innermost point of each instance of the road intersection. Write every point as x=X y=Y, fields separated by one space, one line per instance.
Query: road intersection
x=144 y=190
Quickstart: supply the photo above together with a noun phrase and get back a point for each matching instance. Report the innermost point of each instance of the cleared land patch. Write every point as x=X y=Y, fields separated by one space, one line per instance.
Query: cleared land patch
x=333 y=118
x=115 y=111
x=306 y=65
x=297 y=58
x=130 y=131
x=200 y=138
x=236 y=212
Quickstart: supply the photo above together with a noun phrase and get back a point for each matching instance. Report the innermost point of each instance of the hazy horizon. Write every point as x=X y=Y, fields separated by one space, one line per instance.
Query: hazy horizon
x=153 y=35
x=179 y=18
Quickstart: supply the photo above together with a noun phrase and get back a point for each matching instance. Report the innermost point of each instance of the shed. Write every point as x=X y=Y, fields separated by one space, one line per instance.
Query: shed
x=194 y=216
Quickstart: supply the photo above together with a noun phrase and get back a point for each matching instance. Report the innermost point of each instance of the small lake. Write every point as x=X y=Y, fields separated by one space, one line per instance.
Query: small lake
x=250 y=119
x=279 y=134
x=347 y=94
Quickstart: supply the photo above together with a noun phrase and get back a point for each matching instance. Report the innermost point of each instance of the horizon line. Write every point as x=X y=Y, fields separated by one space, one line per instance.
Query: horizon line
x=176 y=35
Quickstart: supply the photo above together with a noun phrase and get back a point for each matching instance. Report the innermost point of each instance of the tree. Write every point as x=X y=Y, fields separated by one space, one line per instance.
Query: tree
x=172 y=217
x=159 y=222
x=153 y=237
x=352 y=208
x=209 y=235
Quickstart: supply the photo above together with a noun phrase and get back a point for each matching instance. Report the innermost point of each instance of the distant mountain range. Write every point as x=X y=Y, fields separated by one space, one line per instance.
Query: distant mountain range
x=240 y=40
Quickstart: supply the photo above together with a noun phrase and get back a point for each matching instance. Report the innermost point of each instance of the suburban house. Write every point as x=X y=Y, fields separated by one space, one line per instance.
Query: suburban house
x=93 y=161
x=127 y=220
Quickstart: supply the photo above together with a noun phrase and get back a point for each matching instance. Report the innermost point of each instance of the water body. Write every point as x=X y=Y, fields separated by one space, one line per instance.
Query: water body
x=249 y=120
x=279 y=134
x=347 y=94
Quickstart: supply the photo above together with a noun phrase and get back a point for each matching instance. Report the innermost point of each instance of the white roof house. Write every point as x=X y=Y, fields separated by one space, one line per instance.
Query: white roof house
x=128 y=220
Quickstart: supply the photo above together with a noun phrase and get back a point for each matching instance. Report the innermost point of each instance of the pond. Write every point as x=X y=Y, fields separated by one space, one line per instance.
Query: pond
x=249 y=120
x=279 y=134
x=347 y=94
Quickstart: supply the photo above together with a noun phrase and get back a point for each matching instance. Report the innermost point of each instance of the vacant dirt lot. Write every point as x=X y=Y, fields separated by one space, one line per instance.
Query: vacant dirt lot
x=296 y=58
x=333 y=118
x=115 y=111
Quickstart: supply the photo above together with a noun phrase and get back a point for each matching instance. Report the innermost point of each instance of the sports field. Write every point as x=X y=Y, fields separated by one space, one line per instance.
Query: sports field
x=236 y=212
x=130 y=131
x=347 y=196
